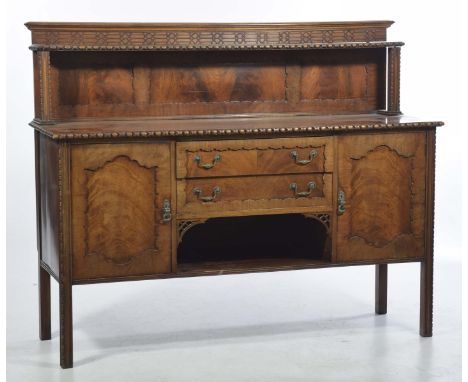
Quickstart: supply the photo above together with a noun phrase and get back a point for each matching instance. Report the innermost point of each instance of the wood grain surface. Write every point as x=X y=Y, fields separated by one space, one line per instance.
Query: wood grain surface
x=383 y=178
x=118 y=192
x=154 y=84
x=205 y=36
x=247 y=195
x=254 y=157
x=265 y=125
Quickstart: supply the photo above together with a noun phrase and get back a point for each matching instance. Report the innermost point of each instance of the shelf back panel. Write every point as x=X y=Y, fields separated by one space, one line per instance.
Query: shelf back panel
x=160 y=84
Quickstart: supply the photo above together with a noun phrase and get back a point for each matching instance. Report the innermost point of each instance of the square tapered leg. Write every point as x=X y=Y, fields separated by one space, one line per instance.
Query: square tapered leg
x=381 y=288
x=66 y=326
x=425 y=323
x=44 y=304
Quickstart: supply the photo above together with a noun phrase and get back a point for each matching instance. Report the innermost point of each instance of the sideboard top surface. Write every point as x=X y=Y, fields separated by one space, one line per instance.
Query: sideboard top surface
x=228 y=126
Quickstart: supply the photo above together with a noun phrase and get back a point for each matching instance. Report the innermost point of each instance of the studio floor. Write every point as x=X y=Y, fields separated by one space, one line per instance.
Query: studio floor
x=312 y=325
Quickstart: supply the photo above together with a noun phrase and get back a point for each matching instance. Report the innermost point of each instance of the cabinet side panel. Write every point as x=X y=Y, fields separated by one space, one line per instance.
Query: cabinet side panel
x=49 y=200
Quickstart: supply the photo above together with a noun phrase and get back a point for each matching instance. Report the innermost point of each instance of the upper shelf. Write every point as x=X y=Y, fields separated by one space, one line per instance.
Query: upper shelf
x=228 y=126
x=209 y=36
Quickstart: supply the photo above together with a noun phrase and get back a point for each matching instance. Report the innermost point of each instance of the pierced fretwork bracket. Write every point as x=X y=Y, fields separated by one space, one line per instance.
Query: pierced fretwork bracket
x=184 y=225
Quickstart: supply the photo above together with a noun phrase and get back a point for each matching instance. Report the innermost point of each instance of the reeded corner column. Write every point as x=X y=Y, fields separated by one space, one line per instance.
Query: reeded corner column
x=393 y=81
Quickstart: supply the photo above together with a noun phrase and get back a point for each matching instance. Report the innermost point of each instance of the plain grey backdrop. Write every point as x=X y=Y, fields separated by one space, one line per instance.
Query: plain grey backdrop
x=307 y=325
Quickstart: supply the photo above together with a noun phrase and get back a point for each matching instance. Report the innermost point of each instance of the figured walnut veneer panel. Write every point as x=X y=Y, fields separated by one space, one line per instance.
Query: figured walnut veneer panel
x=358 y=77
x=252 y=157
x=320 y=82
x=118 y=194
x=383 y=177
x=387 y=202
x=109 y=231
x=217 y=83
x=249 y=195
x=96 y=86
x=88 y=85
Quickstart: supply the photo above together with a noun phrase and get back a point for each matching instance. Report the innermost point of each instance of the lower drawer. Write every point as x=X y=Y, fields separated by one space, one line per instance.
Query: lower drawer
x=247 y=195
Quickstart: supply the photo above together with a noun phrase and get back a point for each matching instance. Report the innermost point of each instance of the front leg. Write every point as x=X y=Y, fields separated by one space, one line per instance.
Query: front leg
x=425 y=323
x=66 y=325
x=381 y=271
x=427 y=265
x=65 y=279
x=44 y=304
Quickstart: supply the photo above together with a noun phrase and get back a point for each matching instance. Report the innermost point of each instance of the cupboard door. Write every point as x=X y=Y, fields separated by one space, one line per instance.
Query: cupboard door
x=117 y=220
x=382 y=180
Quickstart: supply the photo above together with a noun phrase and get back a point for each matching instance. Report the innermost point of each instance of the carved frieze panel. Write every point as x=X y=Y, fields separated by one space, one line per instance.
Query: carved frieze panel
x=205 y=38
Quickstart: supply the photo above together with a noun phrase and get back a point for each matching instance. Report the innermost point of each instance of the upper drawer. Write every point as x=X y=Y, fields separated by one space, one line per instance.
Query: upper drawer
x=253 y=157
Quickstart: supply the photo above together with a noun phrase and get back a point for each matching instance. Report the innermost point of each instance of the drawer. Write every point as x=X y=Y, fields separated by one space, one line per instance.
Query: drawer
x=254 y=157
x=245 y=195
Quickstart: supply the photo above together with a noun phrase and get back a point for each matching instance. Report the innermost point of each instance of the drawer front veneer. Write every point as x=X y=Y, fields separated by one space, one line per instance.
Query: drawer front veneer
x=254 y=157
x=250 y=194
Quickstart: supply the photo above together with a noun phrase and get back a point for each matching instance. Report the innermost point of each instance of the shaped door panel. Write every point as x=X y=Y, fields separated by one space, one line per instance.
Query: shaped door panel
x=118 y=193
x=383 y=180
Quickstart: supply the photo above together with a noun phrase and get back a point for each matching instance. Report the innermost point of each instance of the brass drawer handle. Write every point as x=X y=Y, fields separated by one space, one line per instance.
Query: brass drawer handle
x=341 y=203
x=311 y=186
x=207 y=166
x=312 y=155
x=198 y=191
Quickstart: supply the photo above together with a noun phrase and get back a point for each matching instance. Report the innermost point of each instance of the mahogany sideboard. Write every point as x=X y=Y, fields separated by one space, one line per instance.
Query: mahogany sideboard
x=174 y=150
